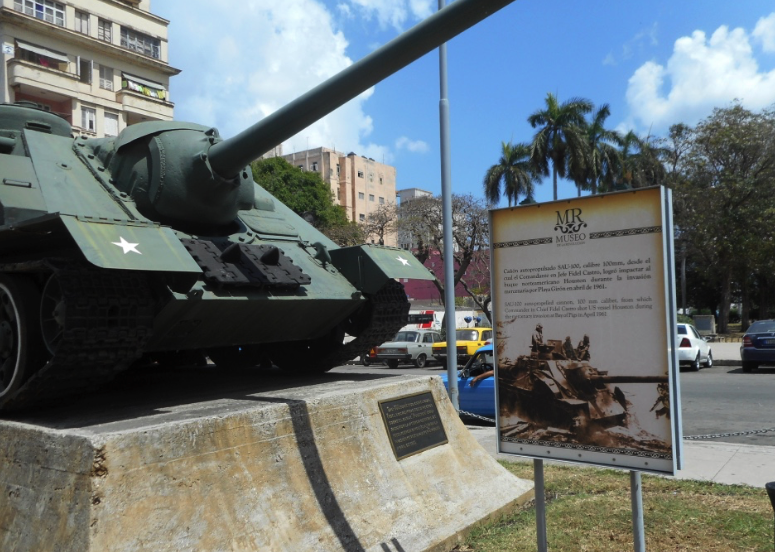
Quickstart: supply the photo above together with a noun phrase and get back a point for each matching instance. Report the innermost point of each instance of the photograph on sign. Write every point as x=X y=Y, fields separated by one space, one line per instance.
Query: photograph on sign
x=584 y=363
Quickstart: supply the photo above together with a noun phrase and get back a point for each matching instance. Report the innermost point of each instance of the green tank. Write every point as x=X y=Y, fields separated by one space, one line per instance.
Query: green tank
x=157 y=243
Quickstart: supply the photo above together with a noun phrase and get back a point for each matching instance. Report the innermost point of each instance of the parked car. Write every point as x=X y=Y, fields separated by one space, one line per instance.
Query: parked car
x=468 y=342
x=693 y=349
x=409 y=346
x=370 y=357
x=476 y=394
x=758 y=345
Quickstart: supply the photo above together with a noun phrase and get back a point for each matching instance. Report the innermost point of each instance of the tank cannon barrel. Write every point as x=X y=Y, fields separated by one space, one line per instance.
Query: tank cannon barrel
x=230 y=156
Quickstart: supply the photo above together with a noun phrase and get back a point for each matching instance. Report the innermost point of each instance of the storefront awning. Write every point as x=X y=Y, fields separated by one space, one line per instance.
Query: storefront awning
x=144 y=82
x=41 y=51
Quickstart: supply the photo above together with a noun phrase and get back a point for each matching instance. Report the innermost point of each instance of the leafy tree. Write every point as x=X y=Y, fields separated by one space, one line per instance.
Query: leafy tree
x=725 y=203
x=514 y=171
x=560 y=138
x=381 y=222
x=421 y=218
x=304 y=192
x=348 y=234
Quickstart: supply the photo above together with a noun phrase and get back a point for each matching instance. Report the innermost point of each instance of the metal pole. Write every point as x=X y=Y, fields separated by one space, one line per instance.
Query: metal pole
x=446 y=211
x=538 y=481
x=683 y=280
x=638 y=537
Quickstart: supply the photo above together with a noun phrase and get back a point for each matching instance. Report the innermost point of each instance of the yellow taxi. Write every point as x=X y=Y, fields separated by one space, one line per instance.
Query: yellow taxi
x=468 y=341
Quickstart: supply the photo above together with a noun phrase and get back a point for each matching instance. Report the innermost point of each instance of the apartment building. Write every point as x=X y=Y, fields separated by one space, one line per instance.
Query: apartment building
x=100 y=64
x=359 y=184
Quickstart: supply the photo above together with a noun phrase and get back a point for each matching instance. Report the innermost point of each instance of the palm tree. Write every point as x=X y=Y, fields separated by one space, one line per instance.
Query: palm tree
x=560 y=138
x=514 y=171
x=603 y=163
x=641 y=162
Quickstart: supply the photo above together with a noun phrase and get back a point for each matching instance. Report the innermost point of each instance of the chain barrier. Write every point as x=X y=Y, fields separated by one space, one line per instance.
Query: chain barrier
x=686 y=437
x=735 y=434
x=472 y=415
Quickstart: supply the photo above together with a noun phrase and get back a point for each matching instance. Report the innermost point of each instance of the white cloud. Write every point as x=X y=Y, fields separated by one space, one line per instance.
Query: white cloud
x=701 y=74
x=273 y=53
x=414 y=146
x=764 y=32
x=394 y=13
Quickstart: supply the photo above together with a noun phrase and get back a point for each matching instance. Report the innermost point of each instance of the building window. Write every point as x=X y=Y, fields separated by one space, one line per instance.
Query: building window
x=84 y=70
x=140 y=42
x=337 y=169
x=361 y=195
x=371 y=197
x=382 y=201
x=380 y=180
x=81 y=22
x=301 y=167
x=106 y=77
x=104 y=30
x=88 y=119
x=41 y=56
x=51 y=12
x=111 y=124
x=314 y=165
x=360 y=174
x=361 y=217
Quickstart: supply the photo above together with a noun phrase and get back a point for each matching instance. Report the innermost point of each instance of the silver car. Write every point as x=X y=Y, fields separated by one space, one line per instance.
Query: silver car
x=693 y=349
x=409 y=346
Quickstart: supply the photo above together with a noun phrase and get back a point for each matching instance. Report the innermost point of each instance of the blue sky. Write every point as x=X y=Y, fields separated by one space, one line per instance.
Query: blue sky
x=656 y=63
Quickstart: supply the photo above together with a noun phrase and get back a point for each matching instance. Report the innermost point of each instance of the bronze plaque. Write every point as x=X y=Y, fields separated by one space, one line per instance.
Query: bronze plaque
x=413 y=424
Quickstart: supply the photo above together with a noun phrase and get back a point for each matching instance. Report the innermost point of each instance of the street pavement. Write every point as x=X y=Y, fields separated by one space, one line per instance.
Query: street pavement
x=727 y=463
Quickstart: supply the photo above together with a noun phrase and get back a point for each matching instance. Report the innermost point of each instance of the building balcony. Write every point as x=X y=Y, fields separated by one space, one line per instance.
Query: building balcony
x=32 y=79
x=140 y=107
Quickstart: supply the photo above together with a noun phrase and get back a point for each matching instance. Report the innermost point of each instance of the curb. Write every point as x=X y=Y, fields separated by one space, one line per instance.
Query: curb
x=726 y=362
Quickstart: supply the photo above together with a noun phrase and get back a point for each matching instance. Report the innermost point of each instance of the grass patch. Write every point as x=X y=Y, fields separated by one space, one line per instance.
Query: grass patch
x=588 y=510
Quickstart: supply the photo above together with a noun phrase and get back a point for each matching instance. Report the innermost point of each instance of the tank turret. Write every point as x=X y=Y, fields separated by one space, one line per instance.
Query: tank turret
x=157 y=244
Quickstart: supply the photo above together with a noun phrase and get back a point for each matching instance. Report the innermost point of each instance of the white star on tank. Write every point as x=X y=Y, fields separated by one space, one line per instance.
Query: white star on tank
x=127 y=246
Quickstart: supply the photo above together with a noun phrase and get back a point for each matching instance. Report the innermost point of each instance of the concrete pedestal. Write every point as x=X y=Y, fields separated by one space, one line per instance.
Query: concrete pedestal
x=269 y=466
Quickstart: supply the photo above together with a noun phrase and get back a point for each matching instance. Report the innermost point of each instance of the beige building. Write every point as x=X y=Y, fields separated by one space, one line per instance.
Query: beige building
x=100 y=64
x=359 y=184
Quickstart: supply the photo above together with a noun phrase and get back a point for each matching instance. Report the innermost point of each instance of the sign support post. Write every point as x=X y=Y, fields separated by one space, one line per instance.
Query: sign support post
x=636 y=495
x=540 y=494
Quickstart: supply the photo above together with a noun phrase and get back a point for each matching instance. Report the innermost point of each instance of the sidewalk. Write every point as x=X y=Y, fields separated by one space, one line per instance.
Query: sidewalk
x=725 y=354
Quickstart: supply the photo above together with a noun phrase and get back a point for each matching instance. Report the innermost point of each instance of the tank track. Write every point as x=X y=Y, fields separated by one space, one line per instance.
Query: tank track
x=109 y=318
x=390 y=312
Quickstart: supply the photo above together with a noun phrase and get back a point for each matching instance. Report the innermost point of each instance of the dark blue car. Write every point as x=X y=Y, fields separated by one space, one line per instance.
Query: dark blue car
x=478 y=398
x=758 y=345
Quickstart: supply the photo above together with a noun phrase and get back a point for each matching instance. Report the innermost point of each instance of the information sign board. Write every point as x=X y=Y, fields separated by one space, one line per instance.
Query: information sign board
x=584 y=311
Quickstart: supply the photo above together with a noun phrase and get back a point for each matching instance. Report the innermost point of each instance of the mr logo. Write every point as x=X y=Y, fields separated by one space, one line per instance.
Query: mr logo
x=569 y=221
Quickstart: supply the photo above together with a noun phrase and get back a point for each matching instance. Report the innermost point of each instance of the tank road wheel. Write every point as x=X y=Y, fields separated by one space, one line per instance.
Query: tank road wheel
x=52 y=313
x=21 y=350
x=419 y=362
